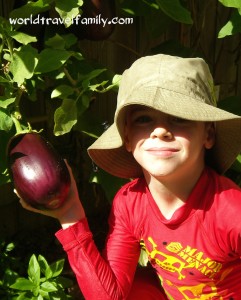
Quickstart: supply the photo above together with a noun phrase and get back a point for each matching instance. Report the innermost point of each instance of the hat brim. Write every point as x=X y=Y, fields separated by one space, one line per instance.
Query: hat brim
x=110 y=154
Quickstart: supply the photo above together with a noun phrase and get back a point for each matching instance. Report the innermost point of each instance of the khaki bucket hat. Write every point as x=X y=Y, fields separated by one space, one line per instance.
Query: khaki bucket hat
x=182 y=87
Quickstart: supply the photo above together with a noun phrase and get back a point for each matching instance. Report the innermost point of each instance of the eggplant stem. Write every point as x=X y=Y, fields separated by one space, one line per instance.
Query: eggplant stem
x=16 y=117
x=17 y=124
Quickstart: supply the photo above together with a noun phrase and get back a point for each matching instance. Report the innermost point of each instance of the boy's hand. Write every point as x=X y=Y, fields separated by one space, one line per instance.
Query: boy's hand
x=71 y=210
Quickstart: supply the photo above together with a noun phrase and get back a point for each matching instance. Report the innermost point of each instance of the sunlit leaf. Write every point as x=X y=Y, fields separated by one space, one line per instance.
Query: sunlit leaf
x=51 y=59
x=48 y=287
x=23 y=38
x=24 y=62
x=7 y=102
x=6 y=121
x=68 y=10
x=232 y=27
x=56 y=42
x=65 y=117
x=231 y=3
x=62 y=91
x=34 y=270
x=31 y=8
x=23 y=284
x=57 y=267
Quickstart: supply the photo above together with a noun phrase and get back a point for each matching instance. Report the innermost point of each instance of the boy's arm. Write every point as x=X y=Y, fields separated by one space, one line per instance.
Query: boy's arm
x=107 y=276
x=99 y=277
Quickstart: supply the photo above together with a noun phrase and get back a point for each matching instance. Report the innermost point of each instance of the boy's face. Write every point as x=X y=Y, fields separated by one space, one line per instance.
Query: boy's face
x=163 y=144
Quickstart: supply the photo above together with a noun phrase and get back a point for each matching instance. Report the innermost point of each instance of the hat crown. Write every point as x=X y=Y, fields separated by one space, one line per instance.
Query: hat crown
x=185 y=76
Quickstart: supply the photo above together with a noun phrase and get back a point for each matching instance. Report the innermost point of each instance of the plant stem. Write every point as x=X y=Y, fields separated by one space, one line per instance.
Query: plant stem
x=71 y=80
x=17 y=124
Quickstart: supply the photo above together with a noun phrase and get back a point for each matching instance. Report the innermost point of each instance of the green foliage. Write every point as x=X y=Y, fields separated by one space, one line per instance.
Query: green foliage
x=58 y=66
x=233 y=26
x=43 y=281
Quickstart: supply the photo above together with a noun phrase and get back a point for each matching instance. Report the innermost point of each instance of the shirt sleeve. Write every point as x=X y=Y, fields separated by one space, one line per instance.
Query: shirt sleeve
x=106 y=276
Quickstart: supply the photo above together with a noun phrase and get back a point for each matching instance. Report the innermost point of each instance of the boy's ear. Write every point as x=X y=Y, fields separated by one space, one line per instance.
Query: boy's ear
x=210 y=140
x=127 y=141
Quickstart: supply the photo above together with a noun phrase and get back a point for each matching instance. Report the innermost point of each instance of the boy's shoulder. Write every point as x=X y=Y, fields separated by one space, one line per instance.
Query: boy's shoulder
x=227 y=194
x=137 y=185
x=223 y=183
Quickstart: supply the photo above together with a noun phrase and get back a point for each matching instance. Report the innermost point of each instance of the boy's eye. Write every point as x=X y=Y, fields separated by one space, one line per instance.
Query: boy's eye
x=179 y=120
x=142 y=119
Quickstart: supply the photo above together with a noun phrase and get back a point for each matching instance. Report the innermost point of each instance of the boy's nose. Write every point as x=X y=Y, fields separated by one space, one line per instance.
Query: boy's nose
x=161 y=132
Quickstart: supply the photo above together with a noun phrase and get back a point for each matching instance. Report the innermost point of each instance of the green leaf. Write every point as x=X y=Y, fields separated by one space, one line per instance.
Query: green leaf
x=9 y=277
x=175 y=11
x=31 y=7
x=43 y=264
x=2 y=79
x=7 y=102
x=113 y=86
x=68 y=10
x=69 y=39
x=143 y=258
x=99 y=87
x=6 y=121
x=83 y=103
x=65 y=117
x=138 y=8
x=34 y=270
x=48 y=287
x=231 y=3
x=45 y=295
x=63 y=282
x=57 y=267
x=78 y=56
x=22 y=38
x=4 y=138
x=10 y=247
x=62 y=91
x=23 y=284
x=51 y=59
x=237 y=164
x=23 y=64
x=84 y=125
x=56 y=42
x=232 y=27
x=87 y=78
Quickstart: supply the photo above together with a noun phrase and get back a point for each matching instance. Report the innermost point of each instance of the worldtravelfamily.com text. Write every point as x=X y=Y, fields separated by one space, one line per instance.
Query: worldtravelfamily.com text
x=77 y=20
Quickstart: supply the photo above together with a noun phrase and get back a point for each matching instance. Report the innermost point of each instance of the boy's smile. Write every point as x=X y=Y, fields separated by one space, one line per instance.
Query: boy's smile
x=163 y=144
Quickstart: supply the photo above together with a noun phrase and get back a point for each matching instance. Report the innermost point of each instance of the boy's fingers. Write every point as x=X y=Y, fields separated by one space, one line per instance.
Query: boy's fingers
x=25 y=204
x=15 y=192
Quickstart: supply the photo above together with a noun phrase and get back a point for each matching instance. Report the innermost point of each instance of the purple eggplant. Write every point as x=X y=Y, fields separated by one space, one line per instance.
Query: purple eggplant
x=39 y=174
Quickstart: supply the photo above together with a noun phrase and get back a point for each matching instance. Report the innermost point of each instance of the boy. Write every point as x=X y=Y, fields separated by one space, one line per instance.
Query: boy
x=169 y=137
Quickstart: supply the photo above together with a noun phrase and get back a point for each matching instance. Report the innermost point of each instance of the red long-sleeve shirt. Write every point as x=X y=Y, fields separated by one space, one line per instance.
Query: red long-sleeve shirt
x=196 y=253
